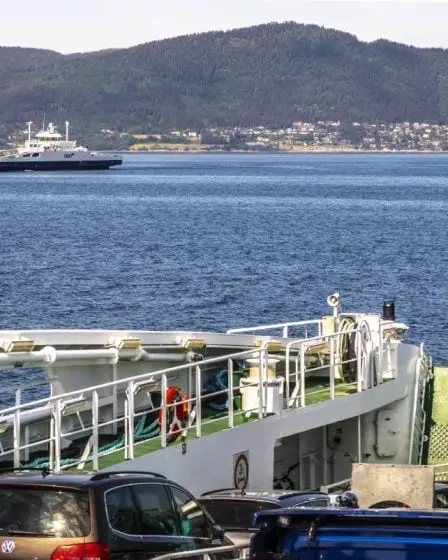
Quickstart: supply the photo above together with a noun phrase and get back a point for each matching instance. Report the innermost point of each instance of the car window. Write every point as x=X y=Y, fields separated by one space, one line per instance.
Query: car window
x=121 y=510
x=235 y=514
x=154 y=509
x=194 y=522
x=61 y=513
x=313 y=503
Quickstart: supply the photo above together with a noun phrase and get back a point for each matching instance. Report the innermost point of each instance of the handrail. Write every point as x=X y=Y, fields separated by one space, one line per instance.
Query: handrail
x=200 y=552
x=284 y=326
x=87 y=402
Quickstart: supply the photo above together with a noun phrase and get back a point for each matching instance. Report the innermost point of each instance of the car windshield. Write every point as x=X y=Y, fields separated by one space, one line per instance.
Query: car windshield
x=235 y=514
x=44 y=512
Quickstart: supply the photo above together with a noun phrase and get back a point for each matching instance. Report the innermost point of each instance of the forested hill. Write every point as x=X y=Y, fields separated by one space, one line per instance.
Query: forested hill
x=269 y=74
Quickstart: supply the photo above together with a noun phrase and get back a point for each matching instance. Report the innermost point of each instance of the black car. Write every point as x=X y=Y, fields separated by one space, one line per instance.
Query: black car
x=234 y=509
x=119 y=515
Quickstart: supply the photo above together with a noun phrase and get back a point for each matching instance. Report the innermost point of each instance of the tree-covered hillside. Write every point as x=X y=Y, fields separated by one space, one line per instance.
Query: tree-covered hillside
x=268 y=74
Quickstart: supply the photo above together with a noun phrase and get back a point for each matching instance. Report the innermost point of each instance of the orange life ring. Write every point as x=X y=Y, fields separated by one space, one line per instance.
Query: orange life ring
x=176 y=414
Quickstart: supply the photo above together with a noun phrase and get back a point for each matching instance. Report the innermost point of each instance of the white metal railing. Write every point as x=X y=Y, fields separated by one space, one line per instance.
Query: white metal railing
x=284 y=327
x=83 y=407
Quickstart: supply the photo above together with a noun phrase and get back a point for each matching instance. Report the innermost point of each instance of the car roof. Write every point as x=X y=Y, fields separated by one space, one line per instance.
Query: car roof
x=36 y=477
x=275 y=496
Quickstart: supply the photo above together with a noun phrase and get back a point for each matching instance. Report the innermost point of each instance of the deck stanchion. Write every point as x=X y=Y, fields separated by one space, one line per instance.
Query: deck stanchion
x=126 y=428
x=287 y=389
x=260 y=384
x=332 y=367
x=230 y=391
x=130 y=410
x=198 y=402
x=302 y=375
x=57 y=435
x=95 y=442
x=163 y=407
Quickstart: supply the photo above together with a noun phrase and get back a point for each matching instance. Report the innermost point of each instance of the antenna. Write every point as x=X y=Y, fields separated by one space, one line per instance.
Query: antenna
x=43 y=124
x=66 y=130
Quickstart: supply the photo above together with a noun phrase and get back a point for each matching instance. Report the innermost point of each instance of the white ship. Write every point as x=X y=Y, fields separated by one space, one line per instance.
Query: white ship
x=49 y=151
x=234 y=409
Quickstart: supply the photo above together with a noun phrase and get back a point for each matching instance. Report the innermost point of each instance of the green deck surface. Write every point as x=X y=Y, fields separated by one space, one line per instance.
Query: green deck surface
x=317 y=392
x=438 y=439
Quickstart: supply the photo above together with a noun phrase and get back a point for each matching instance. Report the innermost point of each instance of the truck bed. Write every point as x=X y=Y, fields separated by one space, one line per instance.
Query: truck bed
x=337 y=534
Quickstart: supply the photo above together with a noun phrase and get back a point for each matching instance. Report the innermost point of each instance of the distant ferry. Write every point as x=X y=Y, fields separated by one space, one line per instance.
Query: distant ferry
x=49 y=151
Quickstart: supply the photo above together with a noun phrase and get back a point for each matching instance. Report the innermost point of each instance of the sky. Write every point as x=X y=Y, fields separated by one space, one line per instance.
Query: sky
x=90 y=25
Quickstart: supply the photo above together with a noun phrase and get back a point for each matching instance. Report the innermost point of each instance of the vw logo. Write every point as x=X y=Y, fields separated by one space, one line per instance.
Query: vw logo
x=8 y=546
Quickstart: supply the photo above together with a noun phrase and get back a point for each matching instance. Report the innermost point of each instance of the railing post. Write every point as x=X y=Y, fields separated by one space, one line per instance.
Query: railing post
x=17 y=430
x=16 y=439
x=287 y=375
x=95 y=446
x=265 y=379
x=126 y=428
x=260 y=384
x=198 y=402
x=163 y=405
x=380 y=353
x=332 y=367
x=51 y=453
x=302 y=375
x=285 y=331
x=230 y=391
x=57 y=435
x=114 y=397
x=359 y=359
x=130 y=393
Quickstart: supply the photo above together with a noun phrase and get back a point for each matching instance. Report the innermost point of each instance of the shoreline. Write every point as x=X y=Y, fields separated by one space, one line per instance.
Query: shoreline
x=283 y=152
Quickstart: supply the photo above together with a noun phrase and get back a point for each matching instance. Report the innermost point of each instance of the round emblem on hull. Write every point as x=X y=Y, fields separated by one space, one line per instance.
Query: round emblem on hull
x=241 y=472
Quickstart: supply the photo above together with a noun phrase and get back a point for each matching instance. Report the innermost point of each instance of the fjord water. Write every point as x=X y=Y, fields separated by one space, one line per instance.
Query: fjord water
x=213 y=241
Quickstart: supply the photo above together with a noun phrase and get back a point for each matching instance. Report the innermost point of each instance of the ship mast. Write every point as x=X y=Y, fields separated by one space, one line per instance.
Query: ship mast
x=66 y=130
x=29 y=123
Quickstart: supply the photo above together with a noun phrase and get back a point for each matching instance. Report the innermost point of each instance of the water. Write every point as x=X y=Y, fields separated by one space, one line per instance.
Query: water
x=219 y=241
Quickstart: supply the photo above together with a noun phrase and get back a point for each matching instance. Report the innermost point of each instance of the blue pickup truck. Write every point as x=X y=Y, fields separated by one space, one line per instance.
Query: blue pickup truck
x=355 y=534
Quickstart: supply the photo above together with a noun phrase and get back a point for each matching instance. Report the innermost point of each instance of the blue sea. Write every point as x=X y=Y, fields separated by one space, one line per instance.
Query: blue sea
x=183 y=241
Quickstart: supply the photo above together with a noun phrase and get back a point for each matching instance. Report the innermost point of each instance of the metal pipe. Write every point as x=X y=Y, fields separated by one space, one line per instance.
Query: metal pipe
x=163 y=405
x=198 y=402
x=276 y=326
x=43 y=357
x=230 y=391
x=260 y=385
x=95 y=442
x=57 y=436
x=332 y=367
x=302 y=376
x=130 y=402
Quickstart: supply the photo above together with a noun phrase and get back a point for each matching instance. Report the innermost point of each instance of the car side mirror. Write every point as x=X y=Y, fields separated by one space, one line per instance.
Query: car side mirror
x=217 y=532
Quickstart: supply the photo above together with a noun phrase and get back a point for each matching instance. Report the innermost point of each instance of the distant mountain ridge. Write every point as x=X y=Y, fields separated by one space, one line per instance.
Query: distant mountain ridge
x=271 y=74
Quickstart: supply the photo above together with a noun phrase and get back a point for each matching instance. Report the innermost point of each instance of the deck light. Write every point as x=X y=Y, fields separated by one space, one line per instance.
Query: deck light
x=270 y=345
x=395 y=331
x=193 y=343
x=3 y=425
x=128 y=343
x=147 y=386
x=73 y=406
x=20 y=345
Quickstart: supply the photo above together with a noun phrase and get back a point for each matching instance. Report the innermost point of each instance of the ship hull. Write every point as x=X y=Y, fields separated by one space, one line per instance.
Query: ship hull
x=10 y=164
